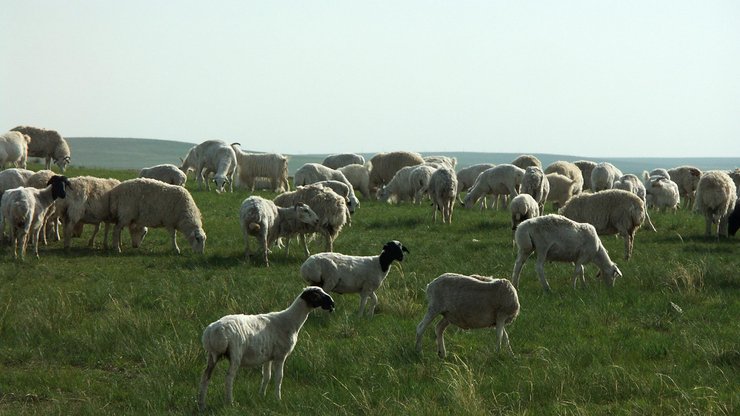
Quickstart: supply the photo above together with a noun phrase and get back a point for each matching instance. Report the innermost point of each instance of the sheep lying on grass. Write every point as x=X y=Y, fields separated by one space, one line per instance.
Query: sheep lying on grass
x=469 y=302
x=253 y=340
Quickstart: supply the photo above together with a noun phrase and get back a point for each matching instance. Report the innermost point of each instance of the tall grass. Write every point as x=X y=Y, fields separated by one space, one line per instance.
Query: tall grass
x=93 y=332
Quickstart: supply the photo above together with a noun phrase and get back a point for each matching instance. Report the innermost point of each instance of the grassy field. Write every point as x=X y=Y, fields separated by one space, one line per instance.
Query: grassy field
x=93 y=332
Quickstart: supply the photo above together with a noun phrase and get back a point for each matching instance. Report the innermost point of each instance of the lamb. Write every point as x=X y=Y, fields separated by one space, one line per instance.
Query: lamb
x=419 y=180
x=557 y=238
x=13 y=178
x=570 y=170
x=716 y=195
x=466 y=178
x=613 y=211
x=263 y=219
x=313 y=172
x=586 y=167
x=145 y=202
x=525 y=161
x=562 y=188
x=167 y=173
x=359 y=177
x=340 y=273
x=24 y=209
x=535 y=183
x=48 y=144
x=523 y=207
x=399 y=188
x=443 y=191
x=385 y=166
x=631 y=183
x=603 y=176
x=14 y=149
x=253 y=340
x=687 y=179
x=499 y=180
x=250 y=166
x=211 y=156
x=469 y=302
x=439 y=161
x=343 y=159
x=330 y=208
x=51 y=223
x=661 y=193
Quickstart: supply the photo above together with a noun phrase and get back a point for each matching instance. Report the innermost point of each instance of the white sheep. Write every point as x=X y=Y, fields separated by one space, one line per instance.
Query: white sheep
x=48 y=144
x=661 y=193
x=439 y=161
x=443 y=191
x=562 y=188
x=341 y=273
x=385 y=166
x=40 y=180
x=419 y=180
x=14 y=149
x=655 y=172
x=211 y=156
x=254 y=340
x=557 y=238
x=343 y=159
x=251 y=166
x=523 y=207
x=503 y=179
x=167 y=173
x=631 y=183
x=263 y=219
x=359 y=177
x=525 y=161
x=570 y=170
x=603 y=176
x=313 y=172
x=145 y=202
x=399 y=188
x=13 y=178
x=469 y=302
x=344 y=191
x=586 y=167
x=535 y=183
x=466 y=178
x=687 y=179
x=716 y=195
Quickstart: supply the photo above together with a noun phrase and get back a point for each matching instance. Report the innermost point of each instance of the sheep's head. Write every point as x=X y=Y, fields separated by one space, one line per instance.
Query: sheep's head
x=316 y=297
x=198 y=240
x=469 y=201
x=58 y=183
x=137 y=235
x=383 y=194
x=63 y=162
x=610 y=274
x=394 y=249
x=306 y=215
x=221 y=182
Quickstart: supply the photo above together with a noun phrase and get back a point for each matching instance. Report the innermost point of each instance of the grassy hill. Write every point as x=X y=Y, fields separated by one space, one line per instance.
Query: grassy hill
x=125 y=153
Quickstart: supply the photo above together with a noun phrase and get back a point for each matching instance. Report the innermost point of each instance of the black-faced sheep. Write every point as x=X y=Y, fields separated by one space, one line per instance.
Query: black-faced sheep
x=716 y=195
x=48 y=144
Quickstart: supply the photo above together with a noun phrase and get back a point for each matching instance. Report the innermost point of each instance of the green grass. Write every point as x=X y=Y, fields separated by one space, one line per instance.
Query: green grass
x=92 y=332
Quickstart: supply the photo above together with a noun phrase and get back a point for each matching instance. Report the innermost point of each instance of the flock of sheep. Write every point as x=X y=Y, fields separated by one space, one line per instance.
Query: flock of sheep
x=591 y=199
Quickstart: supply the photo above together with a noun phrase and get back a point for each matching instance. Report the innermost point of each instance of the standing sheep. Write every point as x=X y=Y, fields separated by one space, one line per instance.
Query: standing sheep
x=499 y=180
x=419 y=180
x=534 y=183
x=13 y=178
x=14 y=149
x=603 y=176
x=343 y=159
x=251 y=166
x=145 y=202
x=443 y=191
x=359 y=177
x=687 y=179
x=562 y=188
x=313 y=172
x=51 y=221
x=253 y=340
x=466 y=178
x=167 y=173
x=522 y=207
x=48 y=144
x=661 y=193
x=469 y=302
x=556 y=238
x=631 y=183
x=586 y=167
x=385 y=166
x=399 y=188
x=570 y=170
x=211 y=156
x=716 y=195
x=439 y=161
x=525 y=161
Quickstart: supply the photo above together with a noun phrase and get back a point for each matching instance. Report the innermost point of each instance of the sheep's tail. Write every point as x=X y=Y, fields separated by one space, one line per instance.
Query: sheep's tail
x=215 y=341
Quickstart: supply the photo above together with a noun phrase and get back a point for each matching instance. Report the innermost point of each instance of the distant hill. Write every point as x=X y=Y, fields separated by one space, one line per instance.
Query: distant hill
x=128 y=153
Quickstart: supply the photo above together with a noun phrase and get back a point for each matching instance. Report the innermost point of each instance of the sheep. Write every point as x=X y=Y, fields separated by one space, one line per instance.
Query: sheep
x=13 y=178
x=603 y=176
x=443 y=191
x=535 y=183
x=211 y=156
x=655 y=172
x=562 y=188
x=557 y=238
x=48 y=144
x=250 y=166
x=359 y=177
x=385 y=166
x=330 y=208
x=687 y=179
x=313 y=172
x=735 y=176
x=253 y=340
x=144 y=202
x=499 y=180
x=466 y=178
x=525 y=161
x=24 y=209
x=263 y=219
x=439 y=161
x=716 y=195
x=51 y=224
x=343 y=159
x=469 y=302
x=399 y=188
x=570 y=170
x=167 y=173
x=523 y=207
x=341 y=273
x=586 y=167
x=419 y=180
x=661 y=193
x=14 y=149
x=344 y=191
x=631 y=183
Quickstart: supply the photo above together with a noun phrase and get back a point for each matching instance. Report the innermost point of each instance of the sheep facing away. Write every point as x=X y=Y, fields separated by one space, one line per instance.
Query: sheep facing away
x=631 y=183
x=167 y=173
x=557 y=238
x=253 y=340
x=568 y=169
x=562 y=188
x=603 y=176
x=341 y=273
x=359 y=177
x=443 y=191
x=716 y=195
x=662 y=193
x=14 y=149
x=48 y=144
x=586 y=167
x=251 y=166
x=343 y=159
x=469 y=302
x=525 y=161
x=535 y=183
x=687 y=179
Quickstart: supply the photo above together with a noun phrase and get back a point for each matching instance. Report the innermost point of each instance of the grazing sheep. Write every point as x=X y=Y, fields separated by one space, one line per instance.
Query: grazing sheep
x=145 y=202
x=716 y=195
x=211 y=156
x=534 y=183
x=251 y=166
x=586 y=167
x=419 y=180
x=359 y=177
x=253 y=340
x=167 y=173
x=499 y=180
x=439 y=161
x=466 y=178
x=525 y=161
x=14 y=149
x=263 y=219
x=661 y=193
x=687 y=179
x=330 y=208
x=343 y=159
x=25 y=208
x=469 y=302
x=570 y=170
x=557 y=238
x=51 y=220
x=399 y=188
x=631 y=183
x=344 y=191
x=523 y=207
x=313 y=172
x=562 y=188
x=340 y=273
x=443 y=191
x=385 y=166
x=48 y=144
x=603 y=176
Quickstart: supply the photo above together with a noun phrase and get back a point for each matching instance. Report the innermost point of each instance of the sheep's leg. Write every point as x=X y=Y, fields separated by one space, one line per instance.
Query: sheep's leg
x=305 y=245
x=578 y=273
x=173 y=237
x=105 y=236
x=68 y=227
x=279 y=364
x=246 y=244
x=205 y=378
x=91 y=241
x=234 y=362
x=428 y=318
x=502 y=335
x=540 y=267
x=329 y=243
x=265 y=250
x=440 y=331
x=363 y=302
x=649 y=222
x=116 y=236
x=629 y=241
x=266 y=373
x=374 y=299
x=24 y=241
x=520 y=259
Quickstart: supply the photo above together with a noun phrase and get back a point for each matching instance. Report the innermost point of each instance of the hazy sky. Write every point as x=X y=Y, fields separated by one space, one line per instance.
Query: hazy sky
x=588 y=78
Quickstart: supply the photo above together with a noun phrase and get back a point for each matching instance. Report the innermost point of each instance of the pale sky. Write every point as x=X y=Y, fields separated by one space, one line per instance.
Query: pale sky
x=588 y=78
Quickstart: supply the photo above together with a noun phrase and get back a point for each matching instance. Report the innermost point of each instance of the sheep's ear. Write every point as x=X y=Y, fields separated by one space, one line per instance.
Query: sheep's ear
x=403 y=248
x=68 y=184
x=617 y=272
